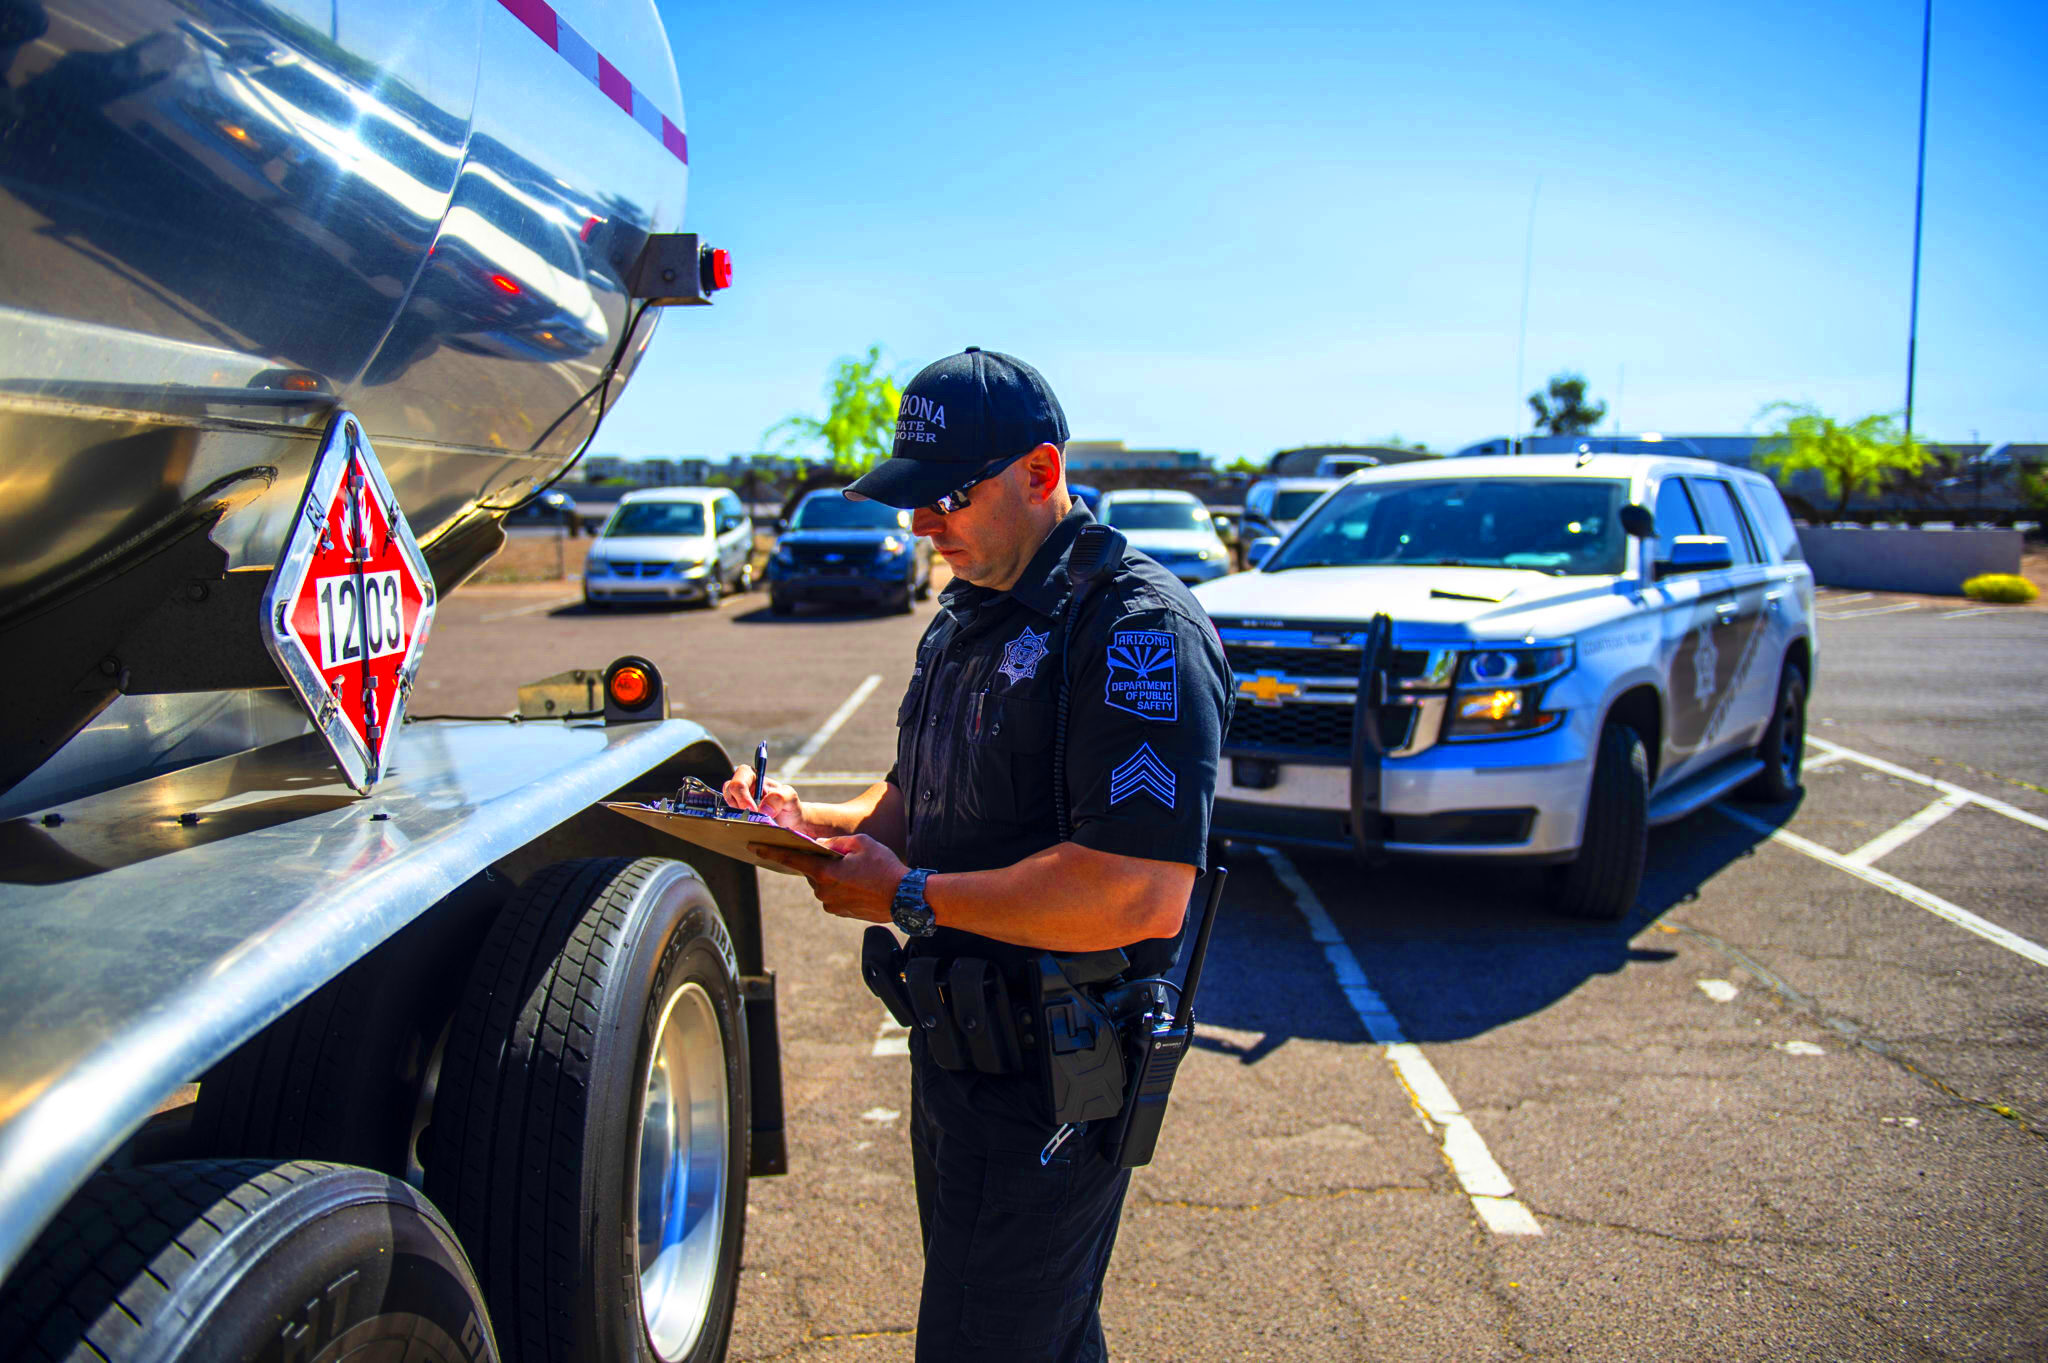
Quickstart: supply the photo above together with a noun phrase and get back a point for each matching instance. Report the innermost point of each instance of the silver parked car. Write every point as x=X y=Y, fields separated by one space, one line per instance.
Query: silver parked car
x=1172 y=528
x=671 y=544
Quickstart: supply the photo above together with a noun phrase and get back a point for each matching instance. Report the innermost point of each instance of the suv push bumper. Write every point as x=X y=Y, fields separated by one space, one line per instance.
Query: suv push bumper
x=1510 y=798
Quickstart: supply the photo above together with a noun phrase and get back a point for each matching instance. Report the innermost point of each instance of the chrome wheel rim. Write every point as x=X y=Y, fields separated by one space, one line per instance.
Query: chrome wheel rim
x=679 y=1193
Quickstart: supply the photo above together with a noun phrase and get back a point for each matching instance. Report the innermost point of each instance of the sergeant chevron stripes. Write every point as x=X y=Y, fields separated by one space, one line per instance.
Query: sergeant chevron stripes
x=1143 y=772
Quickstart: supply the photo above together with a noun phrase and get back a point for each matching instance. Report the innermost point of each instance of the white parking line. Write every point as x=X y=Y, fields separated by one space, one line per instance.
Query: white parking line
x=535 y=609
x=1945 y=787
x=1970 y=610
x=1883 y=880
x=1873 y=610
x=893 y=1038
x=1892 y=839
x=1845 y=600
x=831 y=726
x=1826 y=759
x=1478 y=1173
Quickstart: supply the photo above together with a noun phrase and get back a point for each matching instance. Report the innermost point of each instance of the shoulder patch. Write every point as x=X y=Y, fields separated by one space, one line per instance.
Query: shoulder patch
x=1144 y=674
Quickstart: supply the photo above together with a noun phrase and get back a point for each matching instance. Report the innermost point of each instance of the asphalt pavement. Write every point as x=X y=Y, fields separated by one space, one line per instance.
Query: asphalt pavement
x=1796 y=1106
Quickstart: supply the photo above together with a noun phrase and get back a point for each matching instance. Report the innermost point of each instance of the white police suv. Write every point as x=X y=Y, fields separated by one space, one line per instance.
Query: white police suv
x=1554 y=653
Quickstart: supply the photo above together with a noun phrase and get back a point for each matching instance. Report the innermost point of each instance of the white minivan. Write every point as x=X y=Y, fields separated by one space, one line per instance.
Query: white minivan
x=671 y=544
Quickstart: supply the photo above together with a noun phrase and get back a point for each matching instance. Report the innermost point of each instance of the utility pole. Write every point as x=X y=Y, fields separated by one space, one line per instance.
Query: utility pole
x=1522 y=339
x=1919 y=204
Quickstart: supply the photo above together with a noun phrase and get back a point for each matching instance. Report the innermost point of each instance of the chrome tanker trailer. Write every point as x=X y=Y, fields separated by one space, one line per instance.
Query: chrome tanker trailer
x=327 y=1032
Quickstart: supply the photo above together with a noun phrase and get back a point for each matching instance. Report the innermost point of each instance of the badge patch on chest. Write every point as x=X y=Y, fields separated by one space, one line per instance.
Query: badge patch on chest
x=1023 y=654
x=1143 y=675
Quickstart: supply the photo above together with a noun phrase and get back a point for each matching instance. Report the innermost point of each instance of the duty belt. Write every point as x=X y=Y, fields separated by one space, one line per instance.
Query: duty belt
x=1103 y=1046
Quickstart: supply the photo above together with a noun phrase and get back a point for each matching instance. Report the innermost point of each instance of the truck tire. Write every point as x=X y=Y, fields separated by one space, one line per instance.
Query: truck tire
x=589 y=1133
x=339 y=1078
x=778 y=603
x=1601 y=882
x=245 y=1259
x=1783 y=749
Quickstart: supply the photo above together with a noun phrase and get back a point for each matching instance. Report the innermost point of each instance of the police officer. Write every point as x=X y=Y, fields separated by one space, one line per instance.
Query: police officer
x=960 y=846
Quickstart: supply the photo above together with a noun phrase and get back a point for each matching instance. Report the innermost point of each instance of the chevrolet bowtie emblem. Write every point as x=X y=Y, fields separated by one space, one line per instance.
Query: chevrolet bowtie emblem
x=1268 y=687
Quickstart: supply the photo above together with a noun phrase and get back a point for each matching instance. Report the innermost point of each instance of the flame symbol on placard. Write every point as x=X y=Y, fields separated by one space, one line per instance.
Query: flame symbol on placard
x=1143 y=659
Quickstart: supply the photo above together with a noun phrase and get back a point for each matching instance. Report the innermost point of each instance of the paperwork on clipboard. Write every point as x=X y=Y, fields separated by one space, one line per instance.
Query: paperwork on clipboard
x=700 y=814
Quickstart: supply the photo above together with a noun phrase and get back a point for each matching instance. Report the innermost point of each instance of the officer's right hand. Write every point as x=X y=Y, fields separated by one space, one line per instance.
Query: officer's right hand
x=779 y=800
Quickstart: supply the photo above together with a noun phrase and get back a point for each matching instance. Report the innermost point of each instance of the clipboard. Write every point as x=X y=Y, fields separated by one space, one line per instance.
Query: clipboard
x=711 y=822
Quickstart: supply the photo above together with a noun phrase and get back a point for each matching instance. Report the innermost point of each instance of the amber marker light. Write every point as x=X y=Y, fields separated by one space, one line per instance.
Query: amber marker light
x=1494 y=706
x=630 y=687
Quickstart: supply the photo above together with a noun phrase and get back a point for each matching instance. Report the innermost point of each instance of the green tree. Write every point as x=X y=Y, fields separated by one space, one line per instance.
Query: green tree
x=1244 y=463
x=1561 y=407
x=1848 y=456
x=859 y=425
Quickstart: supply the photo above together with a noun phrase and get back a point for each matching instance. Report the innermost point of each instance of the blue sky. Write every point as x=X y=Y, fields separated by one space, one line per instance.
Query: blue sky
x=1238 y=228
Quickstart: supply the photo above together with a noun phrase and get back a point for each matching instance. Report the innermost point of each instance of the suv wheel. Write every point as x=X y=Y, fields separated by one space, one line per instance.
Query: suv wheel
x=1601 y=882
x=1783 y=750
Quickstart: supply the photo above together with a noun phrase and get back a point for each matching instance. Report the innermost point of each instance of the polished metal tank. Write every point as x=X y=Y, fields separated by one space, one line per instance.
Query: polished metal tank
x=220 y=220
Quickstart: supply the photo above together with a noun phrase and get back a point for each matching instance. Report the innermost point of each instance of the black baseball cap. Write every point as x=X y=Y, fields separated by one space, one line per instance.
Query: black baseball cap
x=958 y=416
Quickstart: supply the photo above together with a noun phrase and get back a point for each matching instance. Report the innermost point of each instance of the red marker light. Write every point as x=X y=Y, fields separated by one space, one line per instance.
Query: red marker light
x=508 y=285
x=589 y=226
x=721 y=268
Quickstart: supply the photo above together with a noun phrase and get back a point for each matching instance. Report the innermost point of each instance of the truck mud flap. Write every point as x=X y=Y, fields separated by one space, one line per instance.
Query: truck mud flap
x=767 y=1149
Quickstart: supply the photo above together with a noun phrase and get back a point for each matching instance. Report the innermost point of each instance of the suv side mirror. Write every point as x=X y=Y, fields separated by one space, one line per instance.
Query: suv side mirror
x=1637 y=520
x=781 y=524
x=1696 y=554
x=1260 y=550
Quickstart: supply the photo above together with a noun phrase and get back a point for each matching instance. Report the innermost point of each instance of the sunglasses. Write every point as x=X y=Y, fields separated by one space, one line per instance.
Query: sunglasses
x=957 y=499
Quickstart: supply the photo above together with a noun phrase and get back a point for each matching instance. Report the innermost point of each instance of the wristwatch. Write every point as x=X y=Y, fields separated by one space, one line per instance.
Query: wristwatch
x=908 y=909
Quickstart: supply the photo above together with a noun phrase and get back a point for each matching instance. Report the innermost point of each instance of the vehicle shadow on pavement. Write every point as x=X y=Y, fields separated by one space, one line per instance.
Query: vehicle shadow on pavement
x=762 y=615
x=1454 y=949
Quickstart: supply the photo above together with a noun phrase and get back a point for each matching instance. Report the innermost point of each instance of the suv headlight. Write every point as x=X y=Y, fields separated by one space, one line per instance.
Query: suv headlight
x=785 y=556
x=1518 y=666
x=1499 y=691
x=596 y=567
x=891 y=546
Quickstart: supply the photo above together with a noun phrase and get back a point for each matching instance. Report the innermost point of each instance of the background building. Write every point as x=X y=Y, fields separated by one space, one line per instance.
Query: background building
x=1085 y=456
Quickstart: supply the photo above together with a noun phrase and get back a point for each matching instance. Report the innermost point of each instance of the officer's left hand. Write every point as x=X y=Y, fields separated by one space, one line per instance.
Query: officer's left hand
x=860 y=885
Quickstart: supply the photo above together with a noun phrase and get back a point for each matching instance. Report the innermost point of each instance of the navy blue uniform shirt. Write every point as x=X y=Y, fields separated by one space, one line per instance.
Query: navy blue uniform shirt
x=974 y=745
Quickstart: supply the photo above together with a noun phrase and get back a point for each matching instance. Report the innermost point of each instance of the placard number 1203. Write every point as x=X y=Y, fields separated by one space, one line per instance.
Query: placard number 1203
x=348 y=626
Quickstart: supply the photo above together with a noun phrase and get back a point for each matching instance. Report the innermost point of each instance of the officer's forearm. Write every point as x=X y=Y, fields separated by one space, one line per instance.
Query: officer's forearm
x=876 y=811
x=1066 y=898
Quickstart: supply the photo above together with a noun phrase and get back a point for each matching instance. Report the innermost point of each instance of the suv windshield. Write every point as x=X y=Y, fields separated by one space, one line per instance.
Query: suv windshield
x=1157 y=515
x=656 y=518
x=830 y=511
x=1567 y=526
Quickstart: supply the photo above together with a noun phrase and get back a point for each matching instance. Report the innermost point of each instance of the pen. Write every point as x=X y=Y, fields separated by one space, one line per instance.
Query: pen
x=760 y=772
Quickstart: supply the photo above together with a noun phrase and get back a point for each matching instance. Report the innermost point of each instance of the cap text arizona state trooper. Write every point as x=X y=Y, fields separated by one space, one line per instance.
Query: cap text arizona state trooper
x=961 y=847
